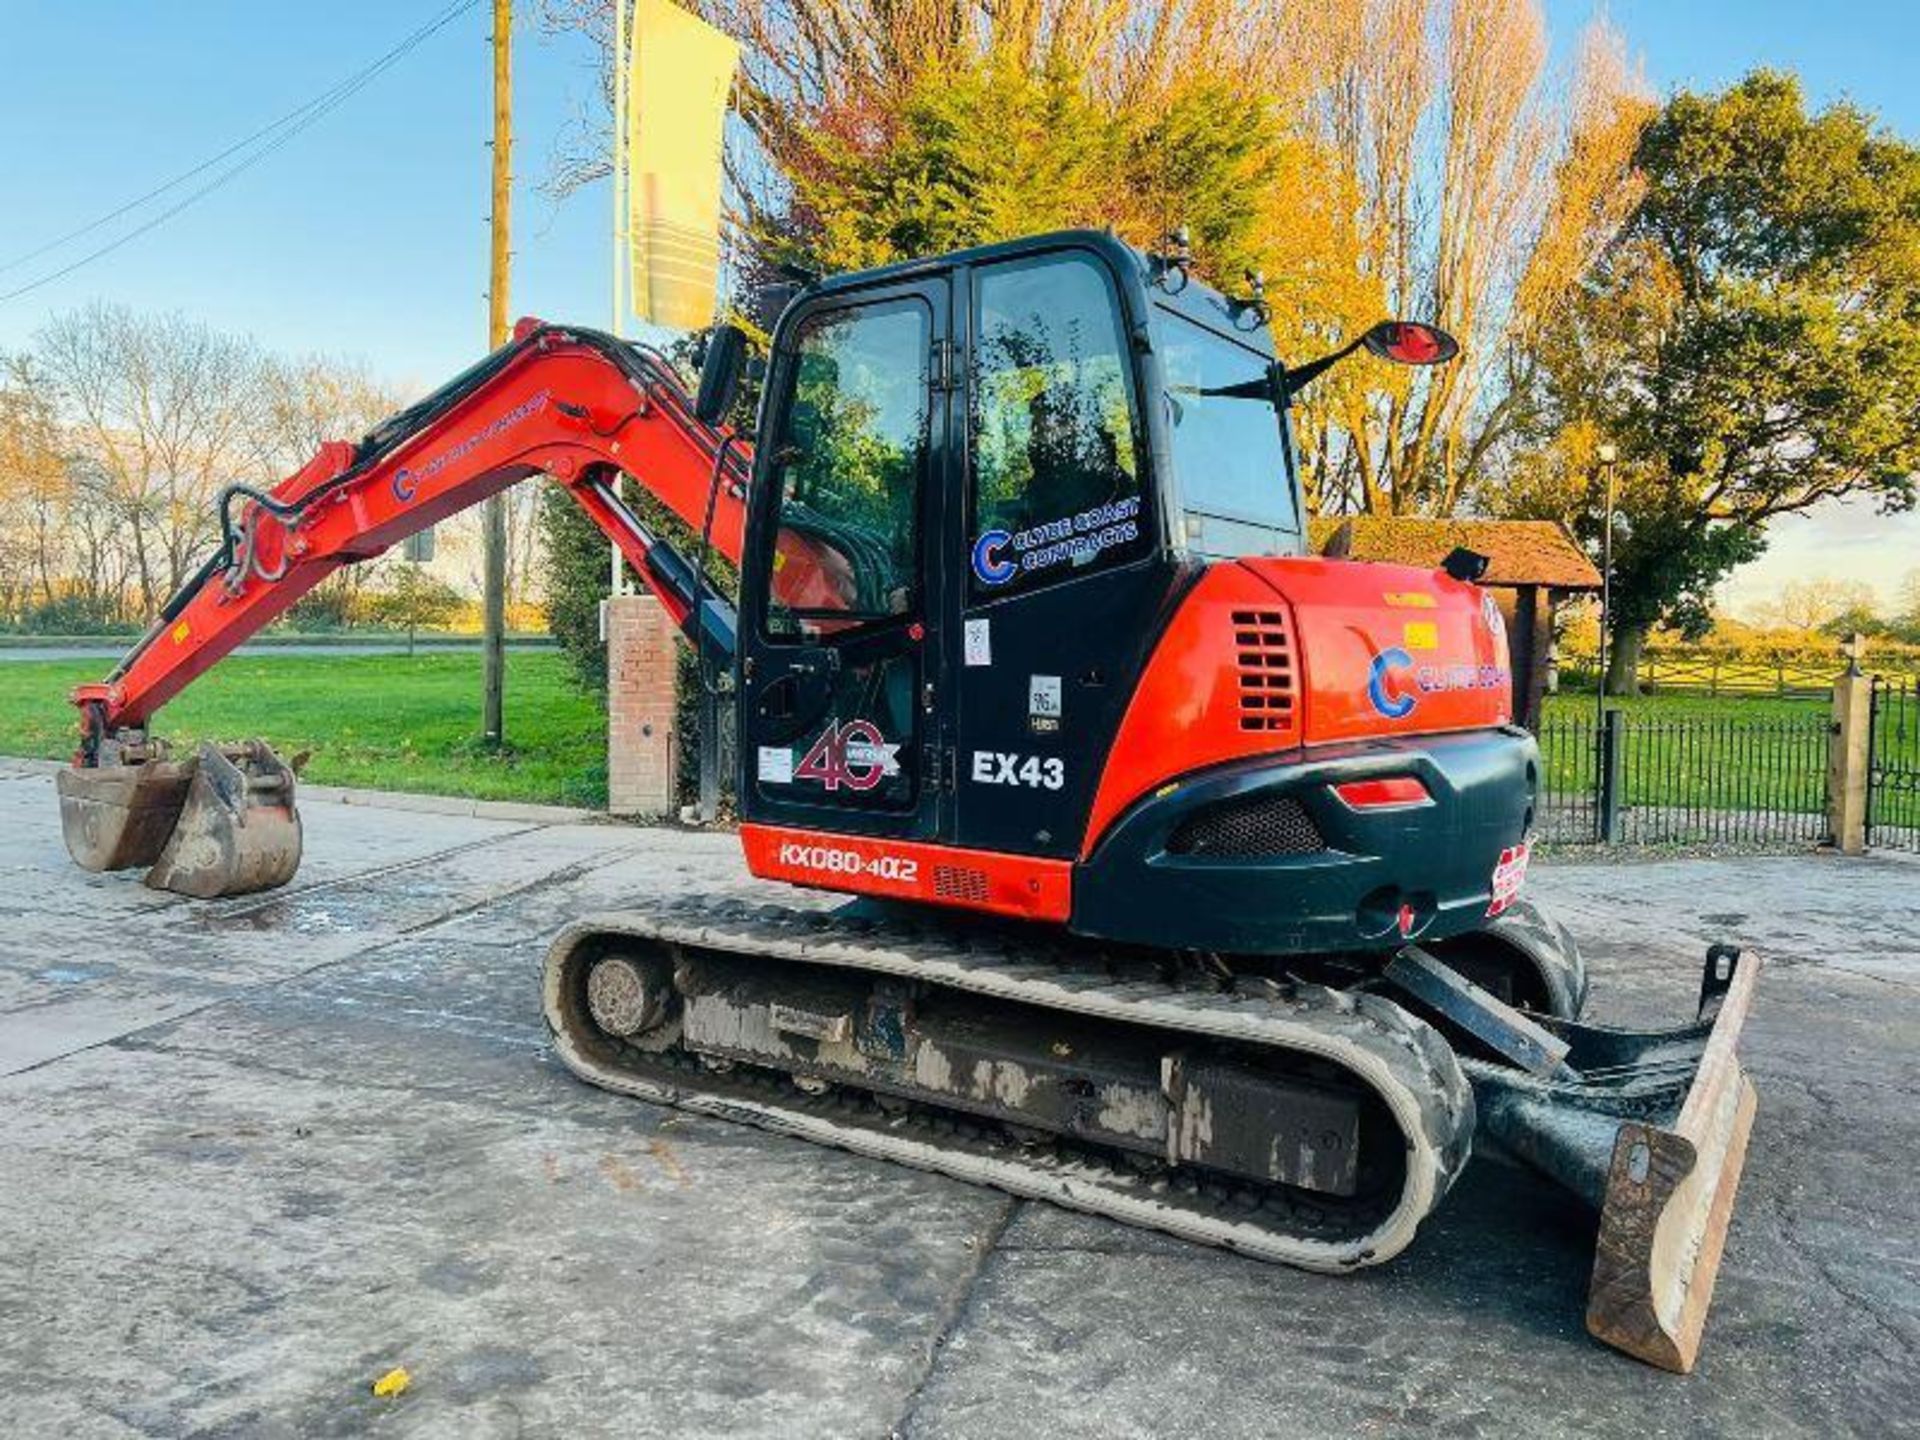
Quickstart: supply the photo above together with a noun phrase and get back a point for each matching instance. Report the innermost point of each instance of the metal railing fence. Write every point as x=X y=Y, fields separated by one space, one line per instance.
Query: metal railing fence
x=1893 y=764
x=1684 y=780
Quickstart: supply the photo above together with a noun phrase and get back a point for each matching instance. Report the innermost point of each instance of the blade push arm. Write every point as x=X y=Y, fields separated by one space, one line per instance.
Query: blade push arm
x=577 y=405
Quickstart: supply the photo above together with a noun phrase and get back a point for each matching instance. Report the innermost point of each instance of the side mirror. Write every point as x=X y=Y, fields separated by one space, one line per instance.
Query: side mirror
x=720 y=370
x=1405 y=342
x=1408 y=342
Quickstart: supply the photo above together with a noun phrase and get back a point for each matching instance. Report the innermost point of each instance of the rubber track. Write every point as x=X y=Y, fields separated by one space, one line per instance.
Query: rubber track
x=1405 y=1061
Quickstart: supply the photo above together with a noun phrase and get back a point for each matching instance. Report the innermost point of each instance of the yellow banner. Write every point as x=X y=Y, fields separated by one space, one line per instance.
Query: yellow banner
x=681 y=73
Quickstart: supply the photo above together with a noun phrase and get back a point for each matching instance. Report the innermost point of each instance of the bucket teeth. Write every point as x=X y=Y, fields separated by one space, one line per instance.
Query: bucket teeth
x=222 y=823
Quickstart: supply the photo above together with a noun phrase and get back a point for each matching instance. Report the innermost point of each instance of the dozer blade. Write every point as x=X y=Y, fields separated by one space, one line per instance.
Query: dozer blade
x=238 y=830
x=1651 y=1127
x=1669 y=1198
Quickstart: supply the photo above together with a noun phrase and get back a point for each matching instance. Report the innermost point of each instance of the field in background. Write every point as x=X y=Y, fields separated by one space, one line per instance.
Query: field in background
x=384 y=722
x=1783 y=670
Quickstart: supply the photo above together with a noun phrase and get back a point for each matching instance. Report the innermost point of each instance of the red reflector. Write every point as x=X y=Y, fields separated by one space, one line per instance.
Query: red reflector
x=1383 y=794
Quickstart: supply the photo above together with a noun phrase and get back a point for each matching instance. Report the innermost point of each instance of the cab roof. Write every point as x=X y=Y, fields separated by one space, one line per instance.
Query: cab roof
x=1137 y=272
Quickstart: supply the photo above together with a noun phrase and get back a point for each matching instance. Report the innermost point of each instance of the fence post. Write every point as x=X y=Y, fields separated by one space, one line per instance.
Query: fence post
x=1849 y=755
x=1611 y=735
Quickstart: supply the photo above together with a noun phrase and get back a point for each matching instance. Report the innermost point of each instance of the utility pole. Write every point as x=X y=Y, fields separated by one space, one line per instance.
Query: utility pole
x=622 y=219
x=494 y=602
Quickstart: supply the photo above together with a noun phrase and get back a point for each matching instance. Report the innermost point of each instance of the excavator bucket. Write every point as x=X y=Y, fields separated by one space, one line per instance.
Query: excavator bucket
x=115 y=817
x=1651 y=1128
x=222 y=823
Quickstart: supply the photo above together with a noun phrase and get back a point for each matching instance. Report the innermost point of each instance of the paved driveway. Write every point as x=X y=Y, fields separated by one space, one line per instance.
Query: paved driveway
x=254 y=1153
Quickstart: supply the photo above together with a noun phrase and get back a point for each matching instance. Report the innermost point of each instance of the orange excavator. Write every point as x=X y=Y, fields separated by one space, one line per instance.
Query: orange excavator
x=1187 y=865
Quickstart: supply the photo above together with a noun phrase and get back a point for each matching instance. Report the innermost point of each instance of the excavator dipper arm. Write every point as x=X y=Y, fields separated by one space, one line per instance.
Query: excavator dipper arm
x=573 y=404
x=576 y=405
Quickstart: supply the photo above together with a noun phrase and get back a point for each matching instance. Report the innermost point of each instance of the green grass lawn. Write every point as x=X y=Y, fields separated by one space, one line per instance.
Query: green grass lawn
x=385 y=722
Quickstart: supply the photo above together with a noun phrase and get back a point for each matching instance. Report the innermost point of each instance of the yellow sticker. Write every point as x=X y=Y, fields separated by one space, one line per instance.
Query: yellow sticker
x=1409 y=599
x=779 y=562
x=1421 y=635
x=181 y=632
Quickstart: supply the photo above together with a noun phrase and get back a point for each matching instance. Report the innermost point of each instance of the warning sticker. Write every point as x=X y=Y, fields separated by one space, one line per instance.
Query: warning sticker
x=979 y=642
x=1509 y=874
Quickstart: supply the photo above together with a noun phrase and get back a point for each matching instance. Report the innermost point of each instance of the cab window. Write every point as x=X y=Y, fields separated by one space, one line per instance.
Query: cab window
x=1229 y=451
x=854 y=444
x=1056 y=473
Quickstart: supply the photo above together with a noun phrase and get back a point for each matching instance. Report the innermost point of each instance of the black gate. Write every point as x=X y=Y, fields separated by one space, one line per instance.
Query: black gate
x=1893 y=763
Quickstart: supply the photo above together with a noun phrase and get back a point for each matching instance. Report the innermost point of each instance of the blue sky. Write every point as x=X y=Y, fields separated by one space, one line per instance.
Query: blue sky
x=366 y=236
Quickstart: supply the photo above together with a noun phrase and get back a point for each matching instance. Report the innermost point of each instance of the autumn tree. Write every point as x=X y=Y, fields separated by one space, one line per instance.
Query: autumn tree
x=1488 y=181
x=167 y=408
x=34 y=487
x=304 y=402
x=1815 y=603
x=1416 y=157
x=1751 y=344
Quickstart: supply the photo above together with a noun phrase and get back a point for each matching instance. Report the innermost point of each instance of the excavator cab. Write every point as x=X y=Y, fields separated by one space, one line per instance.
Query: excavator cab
x=1025 y=566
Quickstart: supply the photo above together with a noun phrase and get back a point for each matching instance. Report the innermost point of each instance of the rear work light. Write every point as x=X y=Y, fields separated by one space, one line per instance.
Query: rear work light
x=1394 y=793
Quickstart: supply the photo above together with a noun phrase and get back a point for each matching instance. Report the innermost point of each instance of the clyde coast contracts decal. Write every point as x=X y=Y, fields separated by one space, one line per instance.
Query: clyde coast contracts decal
x=406 y=480
x=1000 y=555
x=1395 y=683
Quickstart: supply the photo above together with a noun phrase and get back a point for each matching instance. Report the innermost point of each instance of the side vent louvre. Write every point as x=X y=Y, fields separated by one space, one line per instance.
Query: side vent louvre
x=1265 y=653
x=960 y=882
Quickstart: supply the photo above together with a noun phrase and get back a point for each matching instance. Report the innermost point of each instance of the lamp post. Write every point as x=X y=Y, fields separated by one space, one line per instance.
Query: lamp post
x=1607 y=455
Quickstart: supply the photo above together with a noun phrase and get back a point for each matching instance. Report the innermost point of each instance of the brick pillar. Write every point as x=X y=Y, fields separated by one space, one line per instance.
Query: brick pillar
x=641 y=664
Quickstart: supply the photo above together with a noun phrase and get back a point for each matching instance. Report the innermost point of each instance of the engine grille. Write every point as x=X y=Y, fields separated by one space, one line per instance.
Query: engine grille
x=1267 y=825
x=1265 y=654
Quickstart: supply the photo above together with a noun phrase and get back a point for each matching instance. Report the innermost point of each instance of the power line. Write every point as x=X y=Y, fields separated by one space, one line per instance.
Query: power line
x=287 y=126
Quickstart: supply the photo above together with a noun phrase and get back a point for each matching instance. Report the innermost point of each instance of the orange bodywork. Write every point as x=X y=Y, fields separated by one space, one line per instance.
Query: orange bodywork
x=1024 y=886
x=1268 y=655
x=1445 y=645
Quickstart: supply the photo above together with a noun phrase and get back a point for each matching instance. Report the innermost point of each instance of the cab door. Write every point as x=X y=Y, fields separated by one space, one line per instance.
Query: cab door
x=1060 y=580
x=842 y=672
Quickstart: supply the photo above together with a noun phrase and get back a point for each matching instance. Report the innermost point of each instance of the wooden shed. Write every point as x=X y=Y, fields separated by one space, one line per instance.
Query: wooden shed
x=1533 y=565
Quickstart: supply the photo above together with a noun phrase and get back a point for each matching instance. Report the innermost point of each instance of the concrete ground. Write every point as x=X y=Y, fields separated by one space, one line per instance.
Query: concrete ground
x=255 y=1153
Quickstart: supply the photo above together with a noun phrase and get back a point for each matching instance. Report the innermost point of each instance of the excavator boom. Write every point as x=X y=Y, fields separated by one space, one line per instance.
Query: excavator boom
x=578 y=406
